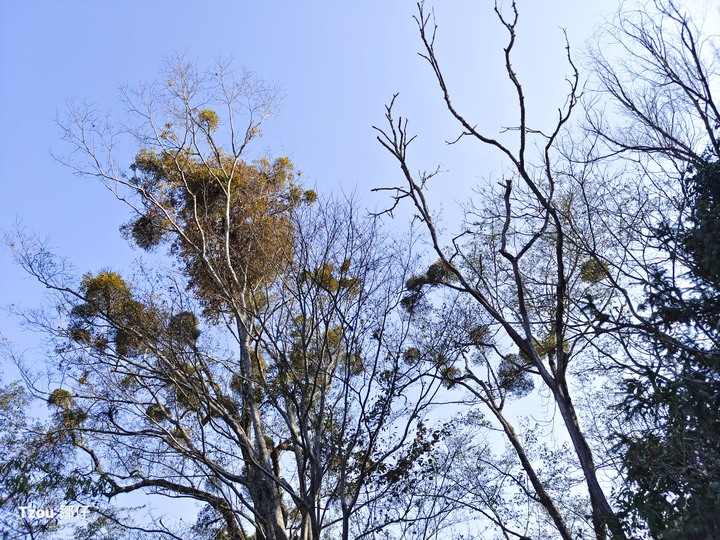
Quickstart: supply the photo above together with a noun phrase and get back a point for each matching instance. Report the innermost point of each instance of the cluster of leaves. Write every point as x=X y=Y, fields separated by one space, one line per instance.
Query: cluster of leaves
x=513 y=376
x=211 y=204
x=593 y=271
x=106 y=296
x=419 y=458
x=111 y=322
x=699 y=238
x=437 y=273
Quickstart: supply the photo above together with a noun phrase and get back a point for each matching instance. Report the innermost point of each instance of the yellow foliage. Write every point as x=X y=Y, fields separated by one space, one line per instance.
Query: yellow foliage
x=449 y=374
x=70 y=415
x=106 y=293
x=209 y=120
x=545 y=347
x=181 y=435
x=593 y=270
x=310 y=196
x=216 y=199
x=61 y=398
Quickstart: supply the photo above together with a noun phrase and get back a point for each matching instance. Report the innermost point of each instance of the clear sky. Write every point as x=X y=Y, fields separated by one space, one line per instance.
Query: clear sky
x=338 y=63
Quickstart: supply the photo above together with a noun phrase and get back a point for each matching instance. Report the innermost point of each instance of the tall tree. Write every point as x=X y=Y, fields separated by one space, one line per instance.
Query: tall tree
x=259 y=374
x=599 y=250
x=513 y=263
x=664 y=132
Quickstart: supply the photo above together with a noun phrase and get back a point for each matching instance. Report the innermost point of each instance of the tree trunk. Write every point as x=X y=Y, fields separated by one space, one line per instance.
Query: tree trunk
x=264 y=489
x=543 y=496
x=603 y=516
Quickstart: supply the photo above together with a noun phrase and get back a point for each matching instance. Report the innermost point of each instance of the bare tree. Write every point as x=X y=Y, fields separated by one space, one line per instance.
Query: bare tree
x=657 y=134
x=513 y=261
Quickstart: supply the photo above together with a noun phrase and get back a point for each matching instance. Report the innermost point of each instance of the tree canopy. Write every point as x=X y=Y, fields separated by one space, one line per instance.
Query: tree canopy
x=259 y=374
x=548 y=367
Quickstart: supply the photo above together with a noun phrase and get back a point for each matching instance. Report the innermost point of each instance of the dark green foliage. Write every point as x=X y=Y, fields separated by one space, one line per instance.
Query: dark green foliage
x=157 y=413
x=413 y=301
x=701 y=239
x=439 y=272
x=147 y=231
x=674 y=465
x=418 y=458
x=673 y=460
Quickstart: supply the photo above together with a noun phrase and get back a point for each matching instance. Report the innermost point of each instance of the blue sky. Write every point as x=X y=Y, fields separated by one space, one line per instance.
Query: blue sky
x=339 y=63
